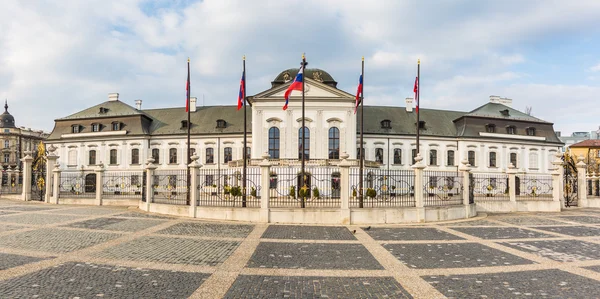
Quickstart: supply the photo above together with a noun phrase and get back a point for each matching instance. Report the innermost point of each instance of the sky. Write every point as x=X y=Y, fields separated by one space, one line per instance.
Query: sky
x=60 y=57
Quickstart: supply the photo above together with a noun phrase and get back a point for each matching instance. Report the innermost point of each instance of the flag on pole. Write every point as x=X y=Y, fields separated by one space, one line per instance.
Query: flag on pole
x=296 y=85
x=242 y=93
x=358 y=92
x=187 y=90
x=416 y=90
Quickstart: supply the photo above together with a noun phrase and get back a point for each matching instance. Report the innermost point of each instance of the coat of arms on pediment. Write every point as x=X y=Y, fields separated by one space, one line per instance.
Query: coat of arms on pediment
x=286 y=77
x=317 y=76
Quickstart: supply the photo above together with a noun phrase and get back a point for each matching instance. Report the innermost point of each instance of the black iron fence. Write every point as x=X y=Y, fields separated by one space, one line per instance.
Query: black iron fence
x=224 y=188
x=317 y=187
x=534 y=187
x=126 y=184
x=12 y=188
x=382 y=188
x=170 y=187
x=490 y=187
x=77 y=185
x=442 y=188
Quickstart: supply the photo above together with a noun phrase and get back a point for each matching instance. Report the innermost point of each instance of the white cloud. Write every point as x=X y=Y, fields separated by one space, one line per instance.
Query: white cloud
x=595 y=68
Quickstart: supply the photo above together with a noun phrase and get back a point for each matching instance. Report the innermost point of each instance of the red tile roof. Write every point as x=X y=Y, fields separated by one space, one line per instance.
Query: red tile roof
x=587 y=143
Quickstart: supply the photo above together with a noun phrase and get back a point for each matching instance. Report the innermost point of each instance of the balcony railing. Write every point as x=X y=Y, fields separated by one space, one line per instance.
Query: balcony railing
x=296 y=162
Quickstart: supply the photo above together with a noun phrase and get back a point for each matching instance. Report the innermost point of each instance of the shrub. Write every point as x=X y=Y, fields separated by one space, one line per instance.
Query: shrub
x=227 y=189
x=293 y=191
x=316 y=193
x=253 y=191
x=371 y=193
x=354 y=193
x=236 y=191
x=304 y=193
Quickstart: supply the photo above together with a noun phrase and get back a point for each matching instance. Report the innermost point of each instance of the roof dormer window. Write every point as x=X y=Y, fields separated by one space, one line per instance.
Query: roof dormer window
x=75 y=129
x=221 y=124
x=530 y=131
x=490 y=128
x=103 y=110
x=116 y=126
x=184 y=124
x=505 y=112
x=511 y=130
x=422 y=125
x=95 y=127
x=386 y=124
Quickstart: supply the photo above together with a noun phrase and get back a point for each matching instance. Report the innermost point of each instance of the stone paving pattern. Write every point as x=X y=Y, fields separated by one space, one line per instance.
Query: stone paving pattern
x=69 y=251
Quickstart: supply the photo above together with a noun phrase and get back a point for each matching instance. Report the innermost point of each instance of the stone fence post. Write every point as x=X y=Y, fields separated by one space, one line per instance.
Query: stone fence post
x=194 y=192
x=50 y=162
x=265 y=172
x=345 y=188
x=418 y=168
x=55 y=184
x=27 y=167
x=511 y=171
x=465 y=170
x=557 y=180
x=99 y=183
x=581 y=183
x=150 y=168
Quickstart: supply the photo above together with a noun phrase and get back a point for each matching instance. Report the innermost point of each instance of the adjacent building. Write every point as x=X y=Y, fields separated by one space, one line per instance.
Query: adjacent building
x=123 y=137
x=590 y=150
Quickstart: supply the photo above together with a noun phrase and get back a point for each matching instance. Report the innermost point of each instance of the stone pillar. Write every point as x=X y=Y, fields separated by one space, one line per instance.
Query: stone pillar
x=465 y=170
x=150 y=167
x=9 y=174
x=345 y=189
x=557 y=180
x=581 y=182
x=27 y=167
x=50 y=162
x=511 y=171
x=265 y=169
x=99 y=183
x=419 y=203
x=594 y=184
x=194 y=192
x=55 y=184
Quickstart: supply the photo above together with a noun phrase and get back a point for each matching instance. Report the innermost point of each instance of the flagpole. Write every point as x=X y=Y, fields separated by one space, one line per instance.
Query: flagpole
x=418 y=100
x=189 y=125
x=362 y=125
x=245 y=135
x=302 y=203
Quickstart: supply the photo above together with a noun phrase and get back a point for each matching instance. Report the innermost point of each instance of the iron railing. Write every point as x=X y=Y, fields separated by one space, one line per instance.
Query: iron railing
x=170 y=187
x=319 y=187
x=488 y=187
x=382 y=188
x=224 y=188
x=534 y=187
x=127 y=184
x=77 y=185
x=442 y=188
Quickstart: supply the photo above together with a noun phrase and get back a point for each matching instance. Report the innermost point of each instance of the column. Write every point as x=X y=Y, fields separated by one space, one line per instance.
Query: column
x=345 y=188
x=194 y=192
x=26 y=191
x=465 y=170
x=581 y=182
x=50 y=163
x=55 y=184
x=265 y=168
x=99 y=170
x=150 y=168
x=557 y=180
x=511 y=171
x=419 y=204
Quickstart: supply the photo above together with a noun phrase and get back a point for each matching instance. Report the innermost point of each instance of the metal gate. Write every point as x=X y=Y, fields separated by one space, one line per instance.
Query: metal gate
x=38 y=173
x=570 y=181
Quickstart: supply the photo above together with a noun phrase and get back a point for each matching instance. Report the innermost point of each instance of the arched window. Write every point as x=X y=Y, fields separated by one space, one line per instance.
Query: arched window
x=306 y=143
x=113 y=157
x=156 y=155
x=513 y=159
x=135 y=156
x=172 y=156
x=274 y=142
x=334 y=143
x=397 y=156
x=92 y=157
x=379 y=155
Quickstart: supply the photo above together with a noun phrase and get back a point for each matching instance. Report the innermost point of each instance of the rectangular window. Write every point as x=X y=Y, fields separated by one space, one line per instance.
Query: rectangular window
x=6 y=158
x=471 y=158
x=72 y=158
x=95 y=127
x=450 y=160
x=533 y=160
x=113 y=157
x=273 y=181
x=492 y=159
x=75 y=129
x=228 y=154
x=6 y=143
x=135 y=156
x=248 y=152
x=116 y=126
x=513 y=159
x=379 y=155
x=210 y=159
x=397 y=156
x=414 y=156
x=433 y=182
x=172 y=156
x=135 y=180
x=156 y=155
x=358 y=150
x=433 y=157
x=511 y=130
x=209 y=180
x=92 y=157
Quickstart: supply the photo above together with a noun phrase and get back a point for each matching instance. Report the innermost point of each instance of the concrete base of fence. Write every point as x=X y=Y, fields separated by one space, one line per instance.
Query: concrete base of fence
x=105 y=202
x=176 y=210
x=12 y=196
x=518 y=206
x=591 y=203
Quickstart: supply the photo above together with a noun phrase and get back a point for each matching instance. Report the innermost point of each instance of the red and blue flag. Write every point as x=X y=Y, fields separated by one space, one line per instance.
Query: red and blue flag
x=296 y=85
x=242 y=94
x=416 y=90
x=359 y=91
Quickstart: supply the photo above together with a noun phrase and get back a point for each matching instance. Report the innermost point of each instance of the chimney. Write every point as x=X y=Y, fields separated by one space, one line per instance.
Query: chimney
x=409 y=104
x=501 y=100
x=113 y=97
x=138 y=104
x=193 y=101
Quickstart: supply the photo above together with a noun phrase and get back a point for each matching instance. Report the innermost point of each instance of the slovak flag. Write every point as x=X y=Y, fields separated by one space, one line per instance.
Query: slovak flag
x=242 y=93
x=359 y=91
x=296 y=85
x=416 y=90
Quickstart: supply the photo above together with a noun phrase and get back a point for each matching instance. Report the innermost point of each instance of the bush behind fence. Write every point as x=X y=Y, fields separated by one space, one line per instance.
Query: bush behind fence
x=442 y=188
x=382 y=188
x=224 y=188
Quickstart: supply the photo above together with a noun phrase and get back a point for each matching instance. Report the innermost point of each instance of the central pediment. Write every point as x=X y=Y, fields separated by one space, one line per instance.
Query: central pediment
x=312 y=90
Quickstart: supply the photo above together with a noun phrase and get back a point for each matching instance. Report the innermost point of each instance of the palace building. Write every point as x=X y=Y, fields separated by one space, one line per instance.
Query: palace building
x=123 y=137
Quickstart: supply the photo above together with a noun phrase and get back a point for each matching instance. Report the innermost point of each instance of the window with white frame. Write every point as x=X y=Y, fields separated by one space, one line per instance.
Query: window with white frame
x=492 y=159
x=172 y=156
x=6 y=143
x=433 y=157
x=533 y=160
x=92 y=157
x=72 y=159
x=397 y=156
x=513 y=159
x=450 y=158
x=471 y=158
x=113 y=157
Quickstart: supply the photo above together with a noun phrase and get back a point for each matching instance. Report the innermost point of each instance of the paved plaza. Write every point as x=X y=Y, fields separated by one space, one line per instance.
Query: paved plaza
x=50 y=251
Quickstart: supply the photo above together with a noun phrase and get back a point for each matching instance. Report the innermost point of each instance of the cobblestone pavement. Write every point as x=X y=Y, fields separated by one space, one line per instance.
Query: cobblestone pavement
x=66 y=251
